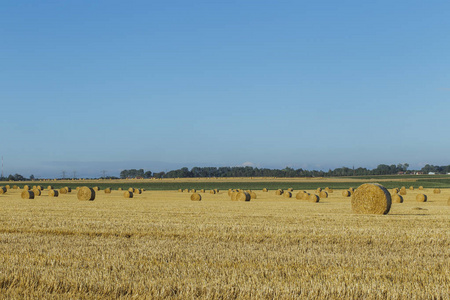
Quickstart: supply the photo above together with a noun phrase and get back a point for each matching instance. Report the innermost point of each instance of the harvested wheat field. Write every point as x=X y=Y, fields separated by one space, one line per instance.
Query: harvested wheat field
x=162 y=245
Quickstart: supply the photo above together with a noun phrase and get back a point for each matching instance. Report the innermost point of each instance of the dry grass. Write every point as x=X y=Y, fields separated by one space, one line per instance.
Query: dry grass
x=164 y=246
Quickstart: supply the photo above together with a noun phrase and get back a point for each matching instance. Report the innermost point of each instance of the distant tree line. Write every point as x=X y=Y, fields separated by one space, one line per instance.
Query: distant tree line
x=286 y=172
x=263 y=172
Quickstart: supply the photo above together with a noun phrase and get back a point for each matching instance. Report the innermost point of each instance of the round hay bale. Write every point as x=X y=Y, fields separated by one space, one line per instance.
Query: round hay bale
x=229 y=192
x=196 y=197
x=27 y=188
x=96 y=188
x=313 y=198
x=411 y=188
x=352 y=190
x=421 y=198
x=290 y=189
x=299 y=195
x=265 y=190
x=306 y=196
x=318 y=190
x=15 y=187
x=69 y=190
x=36 y=192
x=212 y=191
x=233 y=196
x=243 y=196
x=128 y=194
x=3 y=190
x=323 y=194
x=420 y=187
x=395 y=191
x=346 y=193
x=437 y=191
x=193 y=191
x=63 y=190
x=185 y=191
x=53 y=193
x=180 y=190
x=39 y=187
x=396 y=198
x=86 y=194
x=8 y=187
x=217 y=191
x=119 y=189
x=137 y=191
x=402 y=192
x=253 y=195
x=107 y=190
x=279 y=192
x=202 y=190
x=287 y=194
x=131 y=189
x=27 y=194
x=371 y=198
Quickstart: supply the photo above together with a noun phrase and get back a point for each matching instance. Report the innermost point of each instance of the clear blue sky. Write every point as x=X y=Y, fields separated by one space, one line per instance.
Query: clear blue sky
x=107 y=85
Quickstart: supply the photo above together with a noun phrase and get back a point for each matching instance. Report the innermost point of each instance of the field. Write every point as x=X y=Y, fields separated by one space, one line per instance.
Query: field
x=160 y=244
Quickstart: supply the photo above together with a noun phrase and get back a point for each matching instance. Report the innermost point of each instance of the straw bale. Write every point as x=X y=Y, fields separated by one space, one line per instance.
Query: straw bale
x=26 y=188
x=119 y=189
x=63 y=190
x=7 y=187
x=411 y=188
x=37 y=192
x=313 y=198
x=395 y=191
x=396 y=198
x=196 y=197
x=180 y=190
x=53 y=193
x=279 y=192
x=212 y=191
x=421 y=198
x=243 y=196
x=3 y=190
x=371 y=198
x=96 y=188
x=27 y=194
x=128 y=194
x=137 y=191
x=346 y=193
x=420 y=187
x=202 y=190
x=437 y=191
x=323 y=194
x=290 y=189
x=86 y=194
x=402 y=191
x=265 y=190
x=234 y=195
x=107 y=190
x=299 y=195
x=287 y=194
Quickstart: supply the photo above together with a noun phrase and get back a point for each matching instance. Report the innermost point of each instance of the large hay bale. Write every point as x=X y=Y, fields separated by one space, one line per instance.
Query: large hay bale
x=96 y=188
x=253 y=195
x=395 y=191
x=420 y=187
x=396 y=198
x=63 y=190
x=131 y=189
x=306 y=196
x=313 y=198
x=128 y=194
x=421 y=198
x=217 y=191
x=234 y=195
x=86 y=194
x=371 y=198
x=108 y=190
x=196 y=197
x=437 y=191
x=411 y=188
x=193 y=191
x=3 y=190
x=137 y=191
x=37 y=192
x=27 y=188
x=202 y=190
x=265 y=190
x=53 y=193
x=290 y=189
x=50 y=187
x=119 y=189
x=323 y=194
x=402 y=191
x=287 y=194
x=27 y=194
x=346 y=193
x=243 y=196
x=8 y=187
x=212 y=191
x=39 y=187
x=180 y=190
x=229 y=192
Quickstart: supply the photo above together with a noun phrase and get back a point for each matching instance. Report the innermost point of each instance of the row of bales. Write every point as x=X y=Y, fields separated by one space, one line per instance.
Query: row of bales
x=398 y=193
x=83 y=193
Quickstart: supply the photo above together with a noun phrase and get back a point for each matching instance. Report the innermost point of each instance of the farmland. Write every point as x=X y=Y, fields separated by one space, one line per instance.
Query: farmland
x=160 y=244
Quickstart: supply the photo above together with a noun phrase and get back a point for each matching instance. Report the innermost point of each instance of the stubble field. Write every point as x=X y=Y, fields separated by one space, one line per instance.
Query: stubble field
x=160 y=244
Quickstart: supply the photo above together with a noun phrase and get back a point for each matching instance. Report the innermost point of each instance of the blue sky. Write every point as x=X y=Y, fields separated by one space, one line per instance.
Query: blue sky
x=107 y=85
